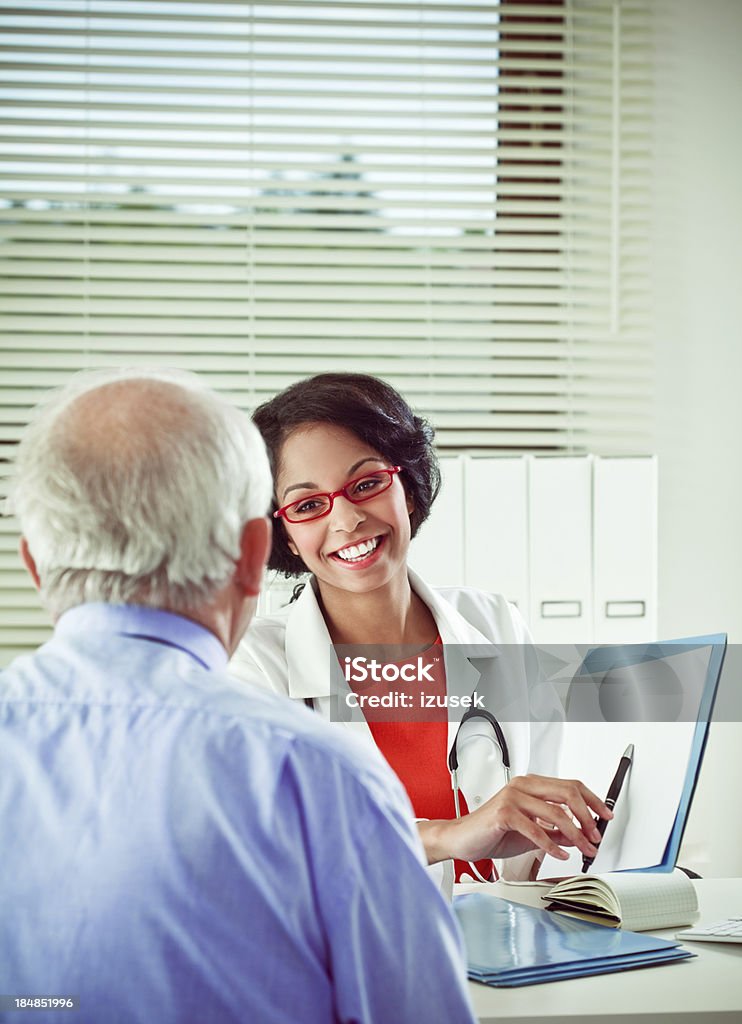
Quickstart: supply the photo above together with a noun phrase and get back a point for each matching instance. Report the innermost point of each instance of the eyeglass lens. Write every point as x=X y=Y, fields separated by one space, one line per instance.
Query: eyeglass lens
x=357 y=491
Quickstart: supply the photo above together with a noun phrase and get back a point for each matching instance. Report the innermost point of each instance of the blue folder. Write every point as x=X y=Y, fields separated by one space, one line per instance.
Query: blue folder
x=508 y=944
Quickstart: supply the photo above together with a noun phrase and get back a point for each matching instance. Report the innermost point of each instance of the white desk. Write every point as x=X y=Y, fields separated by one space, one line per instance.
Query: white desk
x=705 y=990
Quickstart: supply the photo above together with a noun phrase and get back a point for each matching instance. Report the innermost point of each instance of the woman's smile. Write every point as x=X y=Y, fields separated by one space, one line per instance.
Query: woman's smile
x=359 y=554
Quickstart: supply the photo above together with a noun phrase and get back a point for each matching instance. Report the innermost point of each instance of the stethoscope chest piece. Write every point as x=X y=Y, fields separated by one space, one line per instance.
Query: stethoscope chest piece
x=453 y=754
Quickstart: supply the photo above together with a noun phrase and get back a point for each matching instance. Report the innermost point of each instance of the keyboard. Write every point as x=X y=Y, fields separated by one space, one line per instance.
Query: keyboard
x=729 y=930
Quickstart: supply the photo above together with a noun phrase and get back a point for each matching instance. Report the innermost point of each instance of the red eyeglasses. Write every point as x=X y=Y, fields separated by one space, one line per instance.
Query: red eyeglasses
x=315 y=506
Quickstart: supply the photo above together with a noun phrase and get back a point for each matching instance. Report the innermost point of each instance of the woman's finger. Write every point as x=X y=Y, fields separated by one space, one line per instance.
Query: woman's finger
x=555 y=816
x=527 y=827
x=572 y=794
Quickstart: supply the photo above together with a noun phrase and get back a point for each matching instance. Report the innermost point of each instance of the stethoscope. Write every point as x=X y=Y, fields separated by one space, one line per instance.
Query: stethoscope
x=453 y=762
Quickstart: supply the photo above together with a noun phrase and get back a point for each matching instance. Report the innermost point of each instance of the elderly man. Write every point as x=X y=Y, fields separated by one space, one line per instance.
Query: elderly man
x=176 y=846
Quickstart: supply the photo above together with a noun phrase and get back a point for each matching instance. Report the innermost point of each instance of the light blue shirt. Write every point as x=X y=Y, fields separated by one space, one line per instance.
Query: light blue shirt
x=177 y=847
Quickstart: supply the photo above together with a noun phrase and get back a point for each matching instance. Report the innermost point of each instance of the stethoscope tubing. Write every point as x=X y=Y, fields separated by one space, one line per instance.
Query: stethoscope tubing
x=453 y=764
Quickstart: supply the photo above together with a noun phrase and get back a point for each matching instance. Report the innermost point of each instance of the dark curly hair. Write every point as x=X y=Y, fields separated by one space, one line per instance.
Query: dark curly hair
x=374 y=412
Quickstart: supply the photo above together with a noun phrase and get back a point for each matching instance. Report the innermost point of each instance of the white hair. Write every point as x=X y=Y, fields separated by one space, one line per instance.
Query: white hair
x=150 y=507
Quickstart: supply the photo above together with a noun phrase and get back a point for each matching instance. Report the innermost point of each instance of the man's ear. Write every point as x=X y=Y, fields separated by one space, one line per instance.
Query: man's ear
x=28 y=560
x=255 y=546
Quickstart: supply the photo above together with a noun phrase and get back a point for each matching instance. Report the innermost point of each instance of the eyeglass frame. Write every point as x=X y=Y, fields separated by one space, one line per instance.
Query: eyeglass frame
x=281 y=513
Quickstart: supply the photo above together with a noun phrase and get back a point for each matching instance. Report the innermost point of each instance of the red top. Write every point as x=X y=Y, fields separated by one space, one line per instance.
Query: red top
x=414 y=741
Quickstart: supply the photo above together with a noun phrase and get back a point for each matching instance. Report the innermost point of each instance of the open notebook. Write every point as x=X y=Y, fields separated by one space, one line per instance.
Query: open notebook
x=634 y=900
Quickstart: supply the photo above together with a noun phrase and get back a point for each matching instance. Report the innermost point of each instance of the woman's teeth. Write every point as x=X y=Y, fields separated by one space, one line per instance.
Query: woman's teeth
x=357 y=552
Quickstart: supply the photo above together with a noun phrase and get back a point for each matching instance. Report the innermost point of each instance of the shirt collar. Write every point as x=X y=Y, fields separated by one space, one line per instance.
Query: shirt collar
x=152 y=624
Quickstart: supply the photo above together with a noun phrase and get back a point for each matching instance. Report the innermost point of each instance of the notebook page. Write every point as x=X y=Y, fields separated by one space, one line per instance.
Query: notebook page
x=650 y=901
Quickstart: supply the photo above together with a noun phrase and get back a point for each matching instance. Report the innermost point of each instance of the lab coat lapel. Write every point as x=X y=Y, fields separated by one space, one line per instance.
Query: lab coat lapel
x=309 y=650
x=456 y=634
x=495 y=664
x=308 y=653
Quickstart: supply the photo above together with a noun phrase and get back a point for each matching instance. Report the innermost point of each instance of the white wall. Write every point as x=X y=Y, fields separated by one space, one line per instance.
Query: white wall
x=698 y=281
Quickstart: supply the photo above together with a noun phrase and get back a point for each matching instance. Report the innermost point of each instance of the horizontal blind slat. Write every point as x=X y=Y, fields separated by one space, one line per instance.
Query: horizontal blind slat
x=421 y=190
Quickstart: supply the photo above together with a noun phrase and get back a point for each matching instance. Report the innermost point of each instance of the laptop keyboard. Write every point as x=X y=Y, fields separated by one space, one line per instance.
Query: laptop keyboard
x=729 y=930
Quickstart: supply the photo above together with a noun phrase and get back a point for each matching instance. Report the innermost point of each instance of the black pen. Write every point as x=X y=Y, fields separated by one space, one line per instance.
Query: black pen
x=610 y=801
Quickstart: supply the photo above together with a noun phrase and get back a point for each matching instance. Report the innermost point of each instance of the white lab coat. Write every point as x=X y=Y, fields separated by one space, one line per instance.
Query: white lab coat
x=290 y=652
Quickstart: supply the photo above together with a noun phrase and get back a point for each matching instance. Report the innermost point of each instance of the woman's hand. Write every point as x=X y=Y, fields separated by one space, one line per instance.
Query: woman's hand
x=531 y=812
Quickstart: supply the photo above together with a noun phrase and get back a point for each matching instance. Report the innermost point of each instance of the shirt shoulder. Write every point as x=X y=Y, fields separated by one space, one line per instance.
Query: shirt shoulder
x=342 y=789
x=207 y=724
x=305 y=736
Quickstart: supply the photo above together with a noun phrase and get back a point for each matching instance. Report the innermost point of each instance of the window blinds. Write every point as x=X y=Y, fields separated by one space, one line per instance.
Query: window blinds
x=449 y=194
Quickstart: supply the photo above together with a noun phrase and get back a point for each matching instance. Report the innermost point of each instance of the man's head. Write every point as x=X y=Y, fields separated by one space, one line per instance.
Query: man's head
x=137 y=487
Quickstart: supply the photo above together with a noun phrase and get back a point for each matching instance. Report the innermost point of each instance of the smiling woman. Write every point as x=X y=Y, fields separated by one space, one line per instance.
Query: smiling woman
x=355 y=476
x=359 y=539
